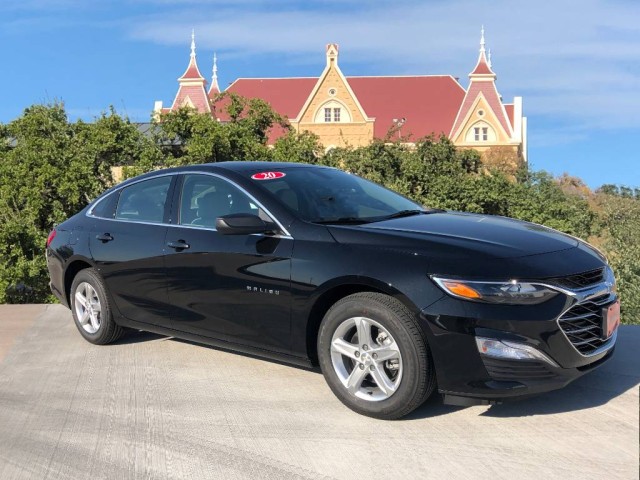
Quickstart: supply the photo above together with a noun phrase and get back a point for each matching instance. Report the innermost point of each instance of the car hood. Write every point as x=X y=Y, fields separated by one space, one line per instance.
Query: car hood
x=453 y=233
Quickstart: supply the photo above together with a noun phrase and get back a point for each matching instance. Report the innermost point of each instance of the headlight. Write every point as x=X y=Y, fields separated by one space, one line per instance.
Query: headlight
x=510 y=292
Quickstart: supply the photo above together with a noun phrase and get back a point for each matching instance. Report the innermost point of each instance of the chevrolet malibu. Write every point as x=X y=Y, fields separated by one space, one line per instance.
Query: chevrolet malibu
x=314 y=266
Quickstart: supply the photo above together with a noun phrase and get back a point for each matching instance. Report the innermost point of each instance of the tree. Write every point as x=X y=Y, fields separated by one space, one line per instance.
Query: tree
x=619 y=221
x=503 y=158
x=294 y=147
x=53 y=170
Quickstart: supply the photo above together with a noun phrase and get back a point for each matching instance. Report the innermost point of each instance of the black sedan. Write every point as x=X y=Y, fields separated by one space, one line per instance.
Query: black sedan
x=312 y=265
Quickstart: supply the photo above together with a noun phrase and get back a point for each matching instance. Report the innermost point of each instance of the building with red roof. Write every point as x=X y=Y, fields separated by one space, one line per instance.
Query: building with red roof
x=354 y=110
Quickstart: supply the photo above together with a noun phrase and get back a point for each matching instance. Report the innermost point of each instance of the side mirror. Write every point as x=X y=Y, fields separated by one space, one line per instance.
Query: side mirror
x=241 y=224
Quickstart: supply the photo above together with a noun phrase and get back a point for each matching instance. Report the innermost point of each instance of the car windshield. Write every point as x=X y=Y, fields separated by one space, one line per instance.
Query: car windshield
x=328 y=195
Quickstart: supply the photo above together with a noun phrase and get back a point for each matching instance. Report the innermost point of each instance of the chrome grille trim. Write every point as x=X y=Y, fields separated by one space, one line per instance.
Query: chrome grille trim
x=581 y=323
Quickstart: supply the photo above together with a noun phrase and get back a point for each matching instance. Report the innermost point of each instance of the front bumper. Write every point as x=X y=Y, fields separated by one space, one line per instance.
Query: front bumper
x=466 y=377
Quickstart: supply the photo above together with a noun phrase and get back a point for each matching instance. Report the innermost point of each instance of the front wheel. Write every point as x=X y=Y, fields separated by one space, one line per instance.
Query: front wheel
x=374 y=357
x=91 y=309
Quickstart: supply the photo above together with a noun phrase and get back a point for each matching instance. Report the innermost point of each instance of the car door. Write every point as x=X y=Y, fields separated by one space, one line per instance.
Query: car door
x=127 y=243
x=231 y=287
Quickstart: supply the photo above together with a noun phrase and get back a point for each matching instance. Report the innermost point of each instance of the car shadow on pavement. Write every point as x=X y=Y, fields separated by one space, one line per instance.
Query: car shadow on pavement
x=614 y=378
x=139 y=336
x=596 y=388
x=589 y=391
x=433 y=407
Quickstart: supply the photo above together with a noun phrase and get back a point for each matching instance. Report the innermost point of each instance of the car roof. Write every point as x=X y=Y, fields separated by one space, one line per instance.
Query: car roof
x=236 y=166
x=244 y=166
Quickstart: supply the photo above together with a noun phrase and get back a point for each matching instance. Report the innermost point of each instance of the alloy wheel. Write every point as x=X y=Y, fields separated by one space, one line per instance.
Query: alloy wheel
x=88 y=308
x=366 y=359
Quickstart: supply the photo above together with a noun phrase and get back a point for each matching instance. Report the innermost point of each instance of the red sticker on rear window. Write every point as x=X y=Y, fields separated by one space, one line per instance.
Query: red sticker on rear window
x=267 y=175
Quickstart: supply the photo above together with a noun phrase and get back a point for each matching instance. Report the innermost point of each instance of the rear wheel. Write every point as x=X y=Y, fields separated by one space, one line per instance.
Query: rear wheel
x=374 y=356
x=91 y=309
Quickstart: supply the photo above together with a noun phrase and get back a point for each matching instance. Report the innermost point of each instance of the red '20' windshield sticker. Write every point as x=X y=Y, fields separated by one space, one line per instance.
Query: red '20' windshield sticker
x=267 y=175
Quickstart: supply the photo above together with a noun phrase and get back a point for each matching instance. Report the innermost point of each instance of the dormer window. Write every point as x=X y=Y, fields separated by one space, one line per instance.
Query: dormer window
x=332 y=112
x=481 y=132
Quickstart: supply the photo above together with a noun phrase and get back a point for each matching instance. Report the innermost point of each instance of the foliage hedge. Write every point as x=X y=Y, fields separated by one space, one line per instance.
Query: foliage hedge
x=50 y=168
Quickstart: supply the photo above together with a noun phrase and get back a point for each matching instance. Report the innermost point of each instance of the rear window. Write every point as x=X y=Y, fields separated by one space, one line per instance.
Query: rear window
x=105 y=208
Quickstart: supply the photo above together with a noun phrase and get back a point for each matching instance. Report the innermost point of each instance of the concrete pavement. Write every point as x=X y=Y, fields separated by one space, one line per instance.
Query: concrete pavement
x=151 y=407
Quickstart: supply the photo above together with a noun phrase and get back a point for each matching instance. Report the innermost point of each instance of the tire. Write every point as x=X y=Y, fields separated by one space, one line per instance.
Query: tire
x=398 y=357
x=92 y=312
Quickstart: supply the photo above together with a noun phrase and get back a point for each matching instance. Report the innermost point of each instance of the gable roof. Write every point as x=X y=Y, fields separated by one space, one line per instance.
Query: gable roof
x=192 y=95
x=285 y=95
x=332 y=65
x=508 y=107
x=491 y=96
x=428 y=103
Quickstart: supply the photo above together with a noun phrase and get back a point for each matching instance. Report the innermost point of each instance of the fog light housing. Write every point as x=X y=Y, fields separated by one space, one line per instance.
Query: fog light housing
x=505 y=349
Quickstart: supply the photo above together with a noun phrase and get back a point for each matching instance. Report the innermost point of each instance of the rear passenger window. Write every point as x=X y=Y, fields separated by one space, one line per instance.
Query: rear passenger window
x=205 y=198
x=144 y=201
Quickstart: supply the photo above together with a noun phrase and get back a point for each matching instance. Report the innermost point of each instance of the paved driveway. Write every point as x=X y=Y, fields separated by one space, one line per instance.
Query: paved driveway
x=152 y=407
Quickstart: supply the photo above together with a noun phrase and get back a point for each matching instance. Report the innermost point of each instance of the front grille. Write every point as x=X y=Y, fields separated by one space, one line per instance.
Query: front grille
x=580 y=280
x=582 y=324
x=515 y=370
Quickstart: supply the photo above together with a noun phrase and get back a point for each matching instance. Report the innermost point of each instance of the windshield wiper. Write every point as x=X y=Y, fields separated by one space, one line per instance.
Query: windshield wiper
x=408 y=213
x=404 y=213
x=341 y=221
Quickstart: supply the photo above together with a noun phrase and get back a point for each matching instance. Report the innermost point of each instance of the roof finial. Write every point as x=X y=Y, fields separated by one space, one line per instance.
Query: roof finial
x=482 y=39
x=193 y=42
x=214 y=79
x=489 y=58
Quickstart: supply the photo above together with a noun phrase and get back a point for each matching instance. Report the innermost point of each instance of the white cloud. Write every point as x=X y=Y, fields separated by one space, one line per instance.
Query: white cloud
x=575 y=61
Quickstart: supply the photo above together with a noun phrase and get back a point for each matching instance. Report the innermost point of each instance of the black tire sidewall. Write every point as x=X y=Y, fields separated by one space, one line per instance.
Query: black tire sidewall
x=413 y=363
x=90 y=277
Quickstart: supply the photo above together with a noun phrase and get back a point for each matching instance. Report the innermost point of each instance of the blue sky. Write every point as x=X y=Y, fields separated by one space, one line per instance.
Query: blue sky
x=576 y=63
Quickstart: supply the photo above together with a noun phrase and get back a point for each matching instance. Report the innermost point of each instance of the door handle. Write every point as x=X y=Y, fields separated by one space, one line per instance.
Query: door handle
x=179 y=245
x=104 y=238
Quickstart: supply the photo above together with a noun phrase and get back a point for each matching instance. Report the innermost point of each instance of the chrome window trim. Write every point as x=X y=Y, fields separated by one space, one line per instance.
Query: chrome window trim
x=286 y=234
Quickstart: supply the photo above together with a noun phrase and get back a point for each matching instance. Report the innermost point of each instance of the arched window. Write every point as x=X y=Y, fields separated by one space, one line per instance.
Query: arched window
x=332 y=112
x=481 y=132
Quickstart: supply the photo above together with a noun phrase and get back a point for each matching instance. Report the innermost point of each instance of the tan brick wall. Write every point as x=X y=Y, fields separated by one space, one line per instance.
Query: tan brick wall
x=358 y=132
x=340 y=134
x=332 y=80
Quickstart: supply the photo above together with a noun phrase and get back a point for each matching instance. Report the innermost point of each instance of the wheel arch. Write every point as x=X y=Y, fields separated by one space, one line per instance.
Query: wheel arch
x=74 y=266
x=336 y=290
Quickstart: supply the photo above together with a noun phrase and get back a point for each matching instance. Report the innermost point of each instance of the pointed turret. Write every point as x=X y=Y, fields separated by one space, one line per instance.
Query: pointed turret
x=192 y=72
x=192 y=85
x=482 y=118
x=483 y=66
x=214 y=89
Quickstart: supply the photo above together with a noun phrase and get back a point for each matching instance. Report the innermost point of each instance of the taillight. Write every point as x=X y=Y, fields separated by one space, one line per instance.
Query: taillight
x=51 y=236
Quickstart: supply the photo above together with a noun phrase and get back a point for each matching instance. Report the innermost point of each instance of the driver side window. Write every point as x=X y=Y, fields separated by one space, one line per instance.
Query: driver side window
x=204 y=198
